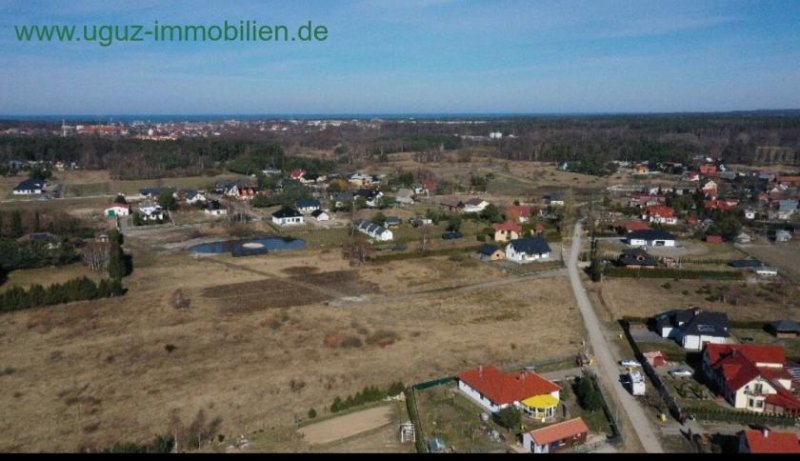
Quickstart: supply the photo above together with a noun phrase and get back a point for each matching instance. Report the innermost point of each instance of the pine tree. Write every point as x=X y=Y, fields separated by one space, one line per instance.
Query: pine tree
x=116 y=261
x=16 y=225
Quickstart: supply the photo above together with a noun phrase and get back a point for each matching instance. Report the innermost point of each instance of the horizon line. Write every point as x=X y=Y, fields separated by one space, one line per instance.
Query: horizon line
x=362 y=115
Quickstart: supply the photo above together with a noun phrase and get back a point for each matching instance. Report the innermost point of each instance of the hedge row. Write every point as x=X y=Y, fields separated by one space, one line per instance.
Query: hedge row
x=367 y=395
x=672 y=273
x=79 y=289
x=740 y=416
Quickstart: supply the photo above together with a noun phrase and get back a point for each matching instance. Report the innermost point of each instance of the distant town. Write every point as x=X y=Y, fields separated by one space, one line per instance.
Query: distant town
x=513 y=285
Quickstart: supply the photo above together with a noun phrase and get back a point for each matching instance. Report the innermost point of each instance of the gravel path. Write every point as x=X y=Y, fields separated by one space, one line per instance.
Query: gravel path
x=608 y=371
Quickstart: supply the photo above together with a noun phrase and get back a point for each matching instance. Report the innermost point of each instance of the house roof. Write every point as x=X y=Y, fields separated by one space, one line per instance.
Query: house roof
x=742 y=263
x=559 y=431
x=520 y=211
x=636 y=257
x=316 y=213
x=631 y=225
x=652 y=234
x=785 y=326
x=535 y=245
x=660 y=210
x=756 y=353
x=487 y=249
x=156 y=190
x=308 y=203
x=707 y=323
x=787 y=205
x=30 y=184
x=474 y=201
x=774 y=442
x=502 y=388
x=287 y=212
x=508 y=227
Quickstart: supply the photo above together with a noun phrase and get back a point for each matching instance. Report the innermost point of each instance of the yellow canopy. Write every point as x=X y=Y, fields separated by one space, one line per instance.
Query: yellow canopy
x=541 y=401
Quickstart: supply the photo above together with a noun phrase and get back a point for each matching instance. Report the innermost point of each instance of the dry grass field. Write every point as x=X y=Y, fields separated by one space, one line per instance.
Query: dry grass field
x=259 y=346
x=781 y=256
x=47 y=276
x=646 y=297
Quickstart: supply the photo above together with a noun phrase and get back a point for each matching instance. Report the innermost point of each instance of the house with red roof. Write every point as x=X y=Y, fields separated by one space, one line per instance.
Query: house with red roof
x=660 y=214
x=297 y=174
x=519 y=213
x=494 y=390
x=708 y=169
x=556 y=437
x=789 y=180
x=751 y=377
x=631 y=225
x=506 y=231
x=768 y=441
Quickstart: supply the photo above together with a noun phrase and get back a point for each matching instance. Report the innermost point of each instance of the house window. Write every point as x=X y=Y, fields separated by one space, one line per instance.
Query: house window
x=759 y=404
x=758 y=388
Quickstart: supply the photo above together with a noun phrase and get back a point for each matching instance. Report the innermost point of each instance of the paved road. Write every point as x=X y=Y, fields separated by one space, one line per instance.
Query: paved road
x=608 y=369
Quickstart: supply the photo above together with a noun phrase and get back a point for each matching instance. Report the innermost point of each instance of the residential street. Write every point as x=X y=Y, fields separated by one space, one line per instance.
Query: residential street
x=608 y=370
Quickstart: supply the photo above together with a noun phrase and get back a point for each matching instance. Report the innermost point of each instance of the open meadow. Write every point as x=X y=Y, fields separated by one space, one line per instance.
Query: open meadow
x=265 y=339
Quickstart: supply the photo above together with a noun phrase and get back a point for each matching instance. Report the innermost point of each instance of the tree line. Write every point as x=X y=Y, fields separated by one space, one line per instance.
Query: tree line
x=79 y=289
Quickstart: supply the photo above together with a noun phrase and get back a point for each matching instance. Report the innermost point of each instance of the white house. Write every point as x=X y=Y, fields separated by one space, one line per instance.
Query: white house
x=373 y=230
x=749 y=214
x=321 y=215
x=405 y=196
x=214 y=208
x=494 y=390
x=288 y=217
x=117 y=211
x=194 y=197
x=765 y=271
x=693 y=328
x=526 y=250
x=29 y=187
x=751 y=376
x=650 y=238
x=475 y=205
x=555 y=437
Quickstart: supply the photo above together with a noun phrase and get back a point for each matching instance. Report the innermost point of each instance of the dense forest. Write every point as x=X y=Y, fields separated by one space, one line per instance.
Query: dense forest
x=592 y=140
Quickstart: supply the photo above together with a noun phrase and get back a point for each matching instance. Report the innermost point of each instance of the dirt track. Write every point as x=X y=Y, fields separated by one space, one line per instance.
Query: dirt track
x=347 y=426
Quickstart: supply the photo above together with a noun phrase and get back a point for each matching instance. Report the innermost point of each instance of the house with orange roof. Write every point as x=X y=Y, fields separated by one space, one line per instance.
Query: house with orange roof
x=789 y=180
x=708 y=169
x=631 y=225
x=768 y=441
x=494 y=390
x=519 y=213
x=660 y=214
x=556 y=437
x=506 y=231
x=751 y=377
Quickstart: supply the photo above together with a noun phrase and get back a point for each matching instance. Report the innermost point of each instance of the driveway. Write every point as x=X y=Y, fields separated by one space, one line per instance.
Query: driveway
x=608 y=371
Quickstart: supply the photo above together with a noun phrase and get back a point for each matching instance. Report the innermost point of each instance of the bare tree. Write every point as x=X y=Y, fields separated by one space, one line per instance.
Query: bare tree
x=97 y=255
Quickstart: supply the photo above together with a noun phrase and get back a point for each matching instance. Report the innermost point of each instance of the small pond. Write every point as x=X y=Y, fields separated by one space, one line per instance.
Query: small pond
x=250 y=246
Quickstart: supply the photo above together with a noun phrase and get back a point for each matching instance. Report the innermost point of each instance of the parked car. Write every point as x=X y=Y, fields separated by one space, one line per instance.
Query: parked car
x=680 y=372
x=452 y=235
x=630 y=363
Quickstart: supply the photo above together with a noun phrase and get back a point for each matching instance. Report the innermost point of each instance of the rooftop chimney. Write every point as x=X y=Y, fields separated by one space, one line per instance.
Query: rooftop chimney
x=765 y=432
x=480 y=371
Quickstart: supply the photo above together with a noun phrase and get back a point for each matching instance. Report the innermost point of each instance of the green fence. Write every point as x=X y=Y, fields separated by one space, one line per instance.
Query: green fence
x=433 y=383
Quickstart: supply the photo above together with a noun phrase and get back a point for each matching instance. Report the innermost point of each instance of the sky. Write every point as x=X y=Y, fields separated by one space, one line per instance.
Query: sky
x=411 y=56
